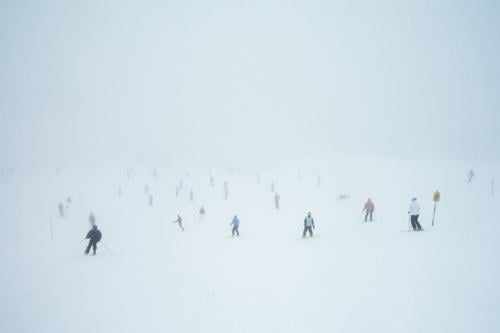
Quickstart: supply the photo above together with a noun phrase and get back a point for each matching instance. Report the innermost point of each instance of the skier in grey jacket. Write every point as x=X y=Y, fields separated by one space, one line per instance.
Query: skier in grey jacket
x=308 y=225
x=236 y=224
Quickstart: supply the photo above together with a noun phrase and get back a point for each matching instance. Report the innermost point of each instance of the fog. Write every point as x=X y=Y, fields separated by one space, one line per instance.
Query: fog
x=245 y=81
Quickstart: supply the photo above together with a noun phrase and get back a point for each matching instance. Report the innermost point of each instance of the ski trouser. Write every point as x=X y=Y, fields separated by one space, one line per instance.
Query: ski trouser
x=369 y=214
x=93 y=245
x=180 y=225
x=306 y=229
x=414 y=223
x=235 y=230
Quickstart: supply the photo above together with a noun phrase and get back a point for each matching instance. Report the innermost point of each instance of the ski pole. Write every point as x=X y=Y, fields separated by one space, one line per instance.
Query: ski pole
x=107 y=248
x=434 y=214
x=78 y=245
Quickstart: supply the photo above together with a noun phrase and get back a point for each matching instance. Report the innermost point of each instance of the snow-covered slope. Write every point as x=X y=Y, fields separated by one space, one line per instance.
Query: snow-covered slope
x=149 y=276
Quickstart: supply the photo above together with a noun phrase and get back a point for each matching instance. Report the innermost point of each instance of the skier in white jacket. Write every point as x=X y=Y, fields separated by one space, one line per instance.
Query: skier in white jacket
x=414 y=212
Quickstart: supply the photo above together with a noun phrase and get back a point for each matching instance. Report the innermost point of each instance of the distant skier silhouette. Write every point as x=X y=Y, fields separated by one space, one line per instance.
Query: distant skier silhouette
x=150 y=200
x=277 y=201
x=179 y=221
x=308 y=225
x=60 y=207
x=470 y=175
x=414 y=212
x=202 y=213
x=191 y=195
x=236 y=225
x=369 y=208
x=94 y=236
x=92 y=219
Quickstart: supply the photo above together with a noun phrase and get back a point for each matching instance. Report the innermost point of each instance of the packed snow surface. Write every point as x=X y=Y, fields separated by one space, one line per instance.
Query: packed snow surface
x=148 y=276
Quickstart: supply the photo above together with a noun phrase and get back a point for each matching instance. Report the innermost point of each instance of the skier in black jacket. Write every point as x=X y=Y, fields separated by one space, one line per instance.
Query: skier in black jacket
x=94 y=236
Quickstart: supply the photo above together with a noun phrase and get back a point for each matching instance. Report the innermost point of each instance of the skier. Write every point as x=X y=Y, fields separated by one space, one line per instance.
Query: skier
x=414 y=212
x=277 y=201
x=236 y=224
x=369 y=208
x=94 y=236
x=470 y=175
x=308 y=225
x=202 y=213
x=191 y=195
x=68 y=201
x=177 y=191
x=212 y=182
x=272 y=187
x=92 y=219
x=146 y=189
x=179 y=221
x=61 y=209
x=150 y=200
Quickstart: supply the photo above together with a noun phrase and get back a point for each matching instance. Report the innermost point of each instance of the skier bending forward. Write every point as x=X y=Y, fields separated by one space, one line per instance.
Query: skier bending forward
x=179 y=221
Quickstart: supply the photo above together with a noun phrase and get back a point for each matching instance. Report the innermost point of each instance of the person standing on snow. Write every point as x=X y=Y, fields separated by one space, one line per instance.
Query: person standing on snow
x=94 y=236
x=92 y=219
x=470 y=175
x=414 y=212
x=236 y=224
x=202 y=213
x=150 y=200
x=277 y=201
x=308 y=225
x=179 y=221
x=60 y=207
x=369 y=208
x=226 y=190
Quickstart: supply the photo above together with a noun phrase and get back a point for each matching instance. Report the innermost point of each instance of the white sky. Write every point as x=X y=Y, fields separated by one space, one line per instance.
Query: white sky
x=238 y=81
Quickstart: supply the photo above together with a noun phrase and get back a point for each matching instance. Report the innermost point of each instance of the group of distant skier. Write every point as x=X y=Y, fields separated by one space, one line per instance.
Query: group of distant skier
x=94 y=235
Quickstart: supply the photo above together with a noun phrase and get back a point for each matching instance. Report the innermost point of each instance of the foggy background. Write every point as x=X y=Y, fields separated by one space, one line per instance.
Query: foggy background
x=240 y=81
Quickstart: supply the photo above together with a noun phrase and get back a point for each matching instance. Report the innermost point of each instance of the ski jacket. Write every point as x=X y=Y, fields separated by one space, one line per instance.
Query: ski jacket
x=309 y=221
x=94 y=235
x=369 y=206
x=414 y=208
x=235 y=222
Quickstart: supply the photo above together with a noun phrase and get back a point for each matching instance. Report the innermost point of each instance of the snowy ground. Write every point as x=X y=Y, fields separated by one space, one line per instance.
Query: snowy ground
x=353 y=277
